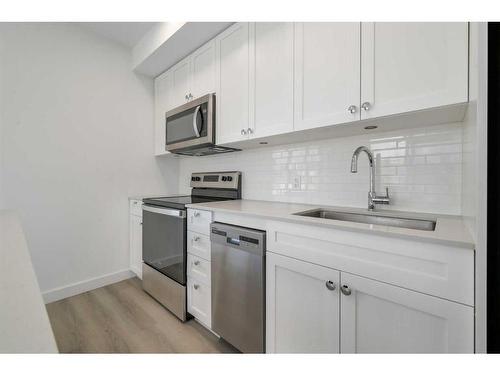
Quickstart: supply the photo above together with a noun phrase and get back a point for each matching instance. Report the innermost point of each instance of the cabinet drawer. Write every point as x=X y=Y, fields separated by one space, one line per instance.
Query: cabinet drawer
x=199 y=221
x=135 y=207
x=198 y=269
x=199 y=301
x=199 y=245
x=438 y=270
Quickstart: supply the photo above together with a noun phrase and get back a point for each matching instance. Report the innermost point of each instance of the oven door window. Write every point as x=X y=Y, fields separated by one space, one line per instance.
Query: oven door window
x=187 y=125
x=164 y=244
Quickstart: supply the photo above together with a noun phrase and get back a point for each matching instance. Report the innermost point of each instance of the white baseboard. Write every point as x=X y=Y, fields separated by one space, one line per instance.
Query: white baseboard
x=86 y=285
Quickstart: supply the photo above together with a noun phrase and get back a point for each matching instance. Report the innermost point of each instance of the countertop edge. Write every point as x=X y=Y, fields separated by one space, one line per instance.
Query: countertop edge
x=334 y=224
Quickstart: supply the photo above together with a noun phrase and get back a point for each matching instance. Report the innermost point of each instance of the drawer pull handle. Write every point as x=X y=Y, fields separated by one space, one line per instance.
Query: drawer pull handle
x=346 y=291
x=196 y=286
x=330 y=285
x=196 y=262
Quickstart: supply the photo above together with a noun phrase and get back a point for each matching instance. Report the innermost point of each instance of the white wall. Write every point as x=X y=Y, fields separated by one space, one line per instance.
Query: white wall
x=77 y=129
x=422 y=168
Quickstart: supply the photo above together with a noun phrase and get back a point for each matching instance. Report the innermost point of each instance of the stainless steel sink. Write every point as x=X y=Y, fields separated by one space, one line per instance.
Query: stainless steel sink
x=400 y=222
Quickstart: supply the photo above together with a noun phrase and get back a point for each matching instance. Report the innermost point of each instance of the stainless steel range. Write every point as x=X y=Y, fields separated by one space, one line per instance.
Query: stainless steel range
x=164 y=251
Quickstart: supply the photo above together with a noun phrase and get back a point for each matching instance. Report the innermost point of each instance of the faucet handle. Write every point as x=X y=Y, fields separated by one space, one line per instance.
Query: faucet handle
x=379 y=199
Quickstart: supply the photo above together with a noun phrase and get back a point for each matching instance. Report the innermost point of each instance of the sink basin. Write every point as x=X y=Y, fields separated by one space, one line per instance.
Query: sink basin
x=399 y=222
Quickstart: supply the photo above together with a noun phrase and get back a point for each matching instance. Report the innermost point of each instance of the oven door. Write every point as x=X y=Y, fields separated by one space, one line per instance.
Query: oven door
x=191 y=124
x=164 y=241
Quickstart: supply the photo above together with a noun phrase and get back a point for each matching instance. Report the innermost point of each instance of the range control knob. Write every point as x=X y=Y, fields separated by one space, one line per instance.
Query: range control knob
x=224 y=178
x=229 y=178
x=193 y=178
x=198 y=178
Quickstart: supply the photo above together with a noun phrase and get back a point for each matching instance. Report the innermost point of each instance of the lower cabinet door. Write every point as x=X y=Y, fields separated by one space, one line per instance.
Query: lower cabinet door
x=136 y=245
x=302 y=307
x=199 y=301
x=382 y=318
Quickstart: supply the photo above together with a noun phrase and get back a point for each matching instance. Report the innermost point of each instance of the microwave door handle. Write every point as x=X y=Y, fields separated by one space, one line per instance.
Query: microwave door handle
x=195 y=124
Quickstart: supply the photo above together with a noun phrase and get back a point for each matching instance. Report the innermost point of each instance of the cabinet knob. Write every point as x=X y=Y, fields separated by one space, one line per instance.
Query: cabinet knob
x=243 y=132
x=250 y=131
x=346 y=291
x=196 y=262
x=190 y=96
x=196 y=286
x=186 y=97
x=330 y=285
x=366 y=106
x=352 y=109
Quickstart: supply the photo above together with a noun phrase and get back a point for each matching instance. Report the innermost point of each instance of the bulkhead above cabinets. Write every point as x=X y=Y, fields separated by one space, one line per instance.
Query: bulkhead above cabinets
x=281 y=83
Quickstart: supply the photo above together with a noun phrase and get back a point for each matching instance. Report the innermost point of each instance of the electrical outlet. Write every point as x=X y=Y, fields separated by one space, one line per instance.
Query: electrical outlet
x=296 y=183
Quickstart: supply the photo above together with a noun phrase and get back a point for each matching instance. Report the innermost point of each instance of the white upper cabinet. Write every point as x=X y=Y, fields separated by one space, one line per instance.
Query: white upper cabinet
x=273 y=79
x=203 y=70
x=163 y=85
x=411 y=66
x=179 y=92
x=327 y=74
x=302 y=306
x=234 y=100
x=382 y=318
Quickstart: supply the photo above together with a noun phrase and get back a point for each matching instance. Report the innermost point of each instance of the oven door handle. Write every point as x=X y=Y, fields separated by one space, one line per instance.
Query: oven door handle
x=195 y=123
x=165 y=211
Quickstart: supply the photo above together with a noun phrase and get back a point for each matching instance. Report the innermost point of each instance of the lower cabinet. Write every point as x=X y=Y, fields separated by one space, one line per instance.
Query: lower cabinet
x=199 y=301
x=302 y=307
x=135 y=240
x=381 y=318
x=199 y=288
x=314 y=309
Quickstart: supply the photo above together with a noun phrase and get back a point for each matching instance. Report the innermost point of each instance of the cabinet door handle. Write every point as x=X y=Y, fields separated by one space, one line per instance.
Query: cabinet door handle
x=366 y=106
x=352 y=109
x=196 y=286
x=346 y=291
x=196 y=262
x=141 y=223
x=330 y=285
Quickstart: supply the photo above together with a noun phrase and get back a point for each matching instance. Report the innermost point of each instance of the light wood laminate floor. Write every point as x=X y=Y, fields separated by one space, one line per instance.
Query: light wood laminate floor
x=122 y=318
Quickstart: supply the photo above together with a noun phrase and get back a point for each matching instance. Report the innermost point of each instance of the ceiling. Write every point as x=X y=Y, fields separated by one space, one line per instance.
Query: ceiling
x=125 y=33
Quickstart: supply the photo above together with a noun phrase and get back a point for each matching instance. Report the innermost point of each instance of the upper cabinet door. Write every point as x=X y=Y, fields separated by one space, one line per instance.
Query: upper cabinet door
x=382 y=318
x=163 y=86
x=302 y=306
x=180 y=83
x=327 y=74
x=203 y=70
x=411 y=66
x=273 y=79
x=234 y=99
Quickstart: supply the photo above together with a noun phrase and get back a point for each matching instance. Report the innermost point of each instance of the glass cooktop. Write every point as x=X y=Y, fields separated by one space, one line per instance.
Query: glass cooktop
x=179 y=201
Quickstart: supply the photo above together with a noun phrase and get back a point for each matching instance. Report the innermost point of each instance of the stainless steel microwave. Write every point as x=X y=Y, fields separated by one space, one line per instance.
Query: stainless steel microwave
x=190 y=128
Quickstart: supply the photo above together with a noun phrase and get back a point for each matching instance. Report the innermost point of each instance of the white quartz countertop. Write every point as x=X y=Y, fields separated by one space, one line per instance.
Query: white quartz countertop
x=24 y=323
x=449 y=230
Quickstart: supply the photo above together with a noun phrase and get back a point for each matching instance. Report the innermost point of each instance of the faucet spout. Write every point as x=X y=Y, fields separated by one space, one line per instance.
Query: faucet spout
x=372 y=195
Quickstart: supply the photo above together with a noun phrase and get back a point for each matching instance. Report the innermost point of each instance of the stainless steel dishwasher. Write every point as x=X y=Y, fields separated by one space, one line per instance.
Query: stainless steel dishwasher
x=238 y=285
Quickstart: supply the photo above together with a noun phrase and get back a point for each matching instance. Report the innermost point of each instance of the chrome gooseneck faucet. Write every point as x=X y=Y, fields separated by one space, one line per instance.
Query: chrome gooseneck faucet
x=373 y=198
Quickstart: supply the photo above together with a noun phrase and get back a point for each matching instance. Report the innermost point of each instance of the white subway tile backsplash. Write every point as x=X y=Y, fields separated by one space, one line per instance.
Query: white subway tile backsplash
x=421 y=167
